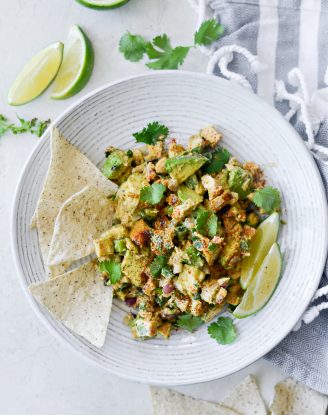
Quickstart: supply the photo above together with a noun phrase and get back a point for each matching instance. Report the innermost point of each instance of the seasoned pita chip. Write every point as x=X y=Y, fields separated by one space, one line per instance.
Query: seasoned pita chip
x=246 y=398
x=293 y=398
x=80 y=300
x=69 y=172
x=166 y=401
x=83 y=217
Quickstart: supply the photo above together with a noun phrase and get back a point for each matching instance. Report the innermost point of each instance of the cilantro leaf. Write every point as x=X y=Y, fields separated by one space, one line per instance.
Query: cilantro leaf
x=133 y=47
x=165 y=57
x=219 y=158
x=157 y=265
x=223 y=331
x=152 y=194
x=206 y=222
x=209 y=31
x=267 y=198
x=189 y=322
x=113 y=269
x=151 y=134
x=33 y=126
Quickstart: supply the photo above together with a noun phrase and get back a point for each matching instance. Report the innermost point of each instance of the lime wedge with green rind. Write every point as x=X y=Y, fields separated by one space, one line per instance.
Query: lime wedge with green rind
x=266 y=234
x=263 y=284
x=102 y=4
x=36 y=75
x=77 y=65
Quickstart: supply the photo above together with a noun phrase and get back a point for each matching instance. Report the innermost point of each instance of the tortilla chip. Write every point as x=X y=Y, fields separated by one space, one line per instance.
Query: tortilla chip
x=82 y=218
x=69 y=172
x=166 y=401
x=246 y=398
x=80 y=300
x=293 y=398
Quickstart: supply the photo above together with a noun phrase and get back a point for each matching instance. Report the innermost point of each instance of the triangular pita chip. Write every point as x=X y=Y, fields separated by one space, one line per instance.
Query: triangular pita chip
x=246 y=398
x=69 y=172
x=82 y=218
x=80 y=300
x=293 y=398
x=166 y=401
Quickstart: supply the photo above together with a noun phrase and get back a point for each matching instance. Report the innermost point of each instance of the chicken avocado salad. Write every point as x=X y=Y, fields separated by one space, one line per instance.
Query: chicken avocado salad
x=184 y=224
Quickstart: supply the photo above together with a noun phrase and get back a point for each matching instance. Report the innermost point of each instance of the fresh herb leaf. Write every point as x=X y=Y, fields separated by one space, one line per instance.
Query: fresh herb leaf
x=152 y=194
x=189 y=322
x=267 y=198
x=223 y=331
x=206 y=222
x=219 y=158
x=156 y=266
x=113 y=269
x=209 y=31
x=33 y=126
x=133 y=47
x=194 y=257
x=171 y=59
x=151 y=134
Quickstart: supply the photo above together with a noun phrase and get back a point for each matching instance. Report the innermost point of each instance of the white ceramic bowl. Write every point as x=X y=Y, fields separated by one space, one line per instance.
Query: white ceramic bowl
x=252 y=130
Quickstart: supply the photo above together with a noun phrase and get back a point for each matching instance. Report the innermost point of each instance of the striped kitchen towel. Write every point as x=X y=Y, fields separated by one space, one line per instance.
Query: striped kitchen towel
x=279 y=48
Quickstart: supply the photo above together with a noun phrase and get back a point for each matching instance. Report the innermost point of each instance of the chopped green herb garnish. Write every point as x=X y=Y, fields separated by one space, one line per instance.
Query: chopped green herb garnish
x=218 y=159
x=163 y=55
x=223 y=330
x=156 y=266
x=209 y=31
x=189 y=322
x=129 y=153
x=152 y=194
x=33 y=126
x=133 y=47
x=206 y=222
x=267 y=198
x=152 y=133
x=113 y=269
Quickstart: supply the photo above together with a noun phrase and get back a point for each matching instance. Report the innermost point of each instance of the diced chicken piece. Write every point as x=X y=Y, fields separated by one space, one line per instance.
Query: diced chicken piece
x=209 y=291
x=150 y=172
x=232 y=299
x=211 y=136
x=257 y=173
x=145 y=328
x=155 y=152
x=185 y=209
x=212 y=185
x=189 y=280
x=161 y=223
x=248 y=232
x=196 y=308
x=160 y=166
x=138 y=156
x=140 y=233
x=209 y=248
x=172 y=199
x=161 y=241
x=221 y=295
x=226 y=198
x=196 y=141
x=237 y=212
x=165 y=330
x=149 y=287
x=175 y=149
x=182 y=303
x=133 y=266
x=176 y=260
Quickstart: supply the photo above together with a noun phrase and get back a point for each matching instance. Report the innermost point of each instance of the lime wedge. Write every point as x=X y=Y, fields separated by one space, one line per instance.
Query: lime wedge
x=263 y=284
x=77 y=65
x=102 y=4
x=36 y=75
x=266 y=234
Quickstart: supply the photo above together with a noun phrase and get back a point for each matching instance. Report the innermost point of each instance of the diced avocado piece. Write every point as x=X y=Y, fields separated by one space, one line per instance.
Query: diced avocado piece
x=134 y=265
x=194 y=257
x=240 y=181
x=182 y=167
x=149 y=214
x=189 y=280
x=184 y=194
x=116 y=164
x=181 y=232
x=145 y=328
x=119 y=245
x=104 y=245
x=127 y=197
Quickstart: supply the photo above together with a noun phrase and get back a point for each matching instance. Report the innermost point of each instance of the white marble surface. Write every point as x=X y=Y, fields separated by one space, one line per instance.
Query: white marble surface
x=37 y=374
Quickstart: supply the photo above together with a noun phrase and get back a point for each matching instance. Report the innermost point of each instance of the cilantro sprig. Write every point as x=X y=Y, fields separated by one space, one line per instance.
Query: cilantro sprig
x=152 y=133
x=152 y=194
x=206 y=222
x=218 y=159
x=267 y=198
x=33 y=126
x=189 y=322
x=113 y=269
x=160 y=51
x=156 y=266
x=223 y=330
